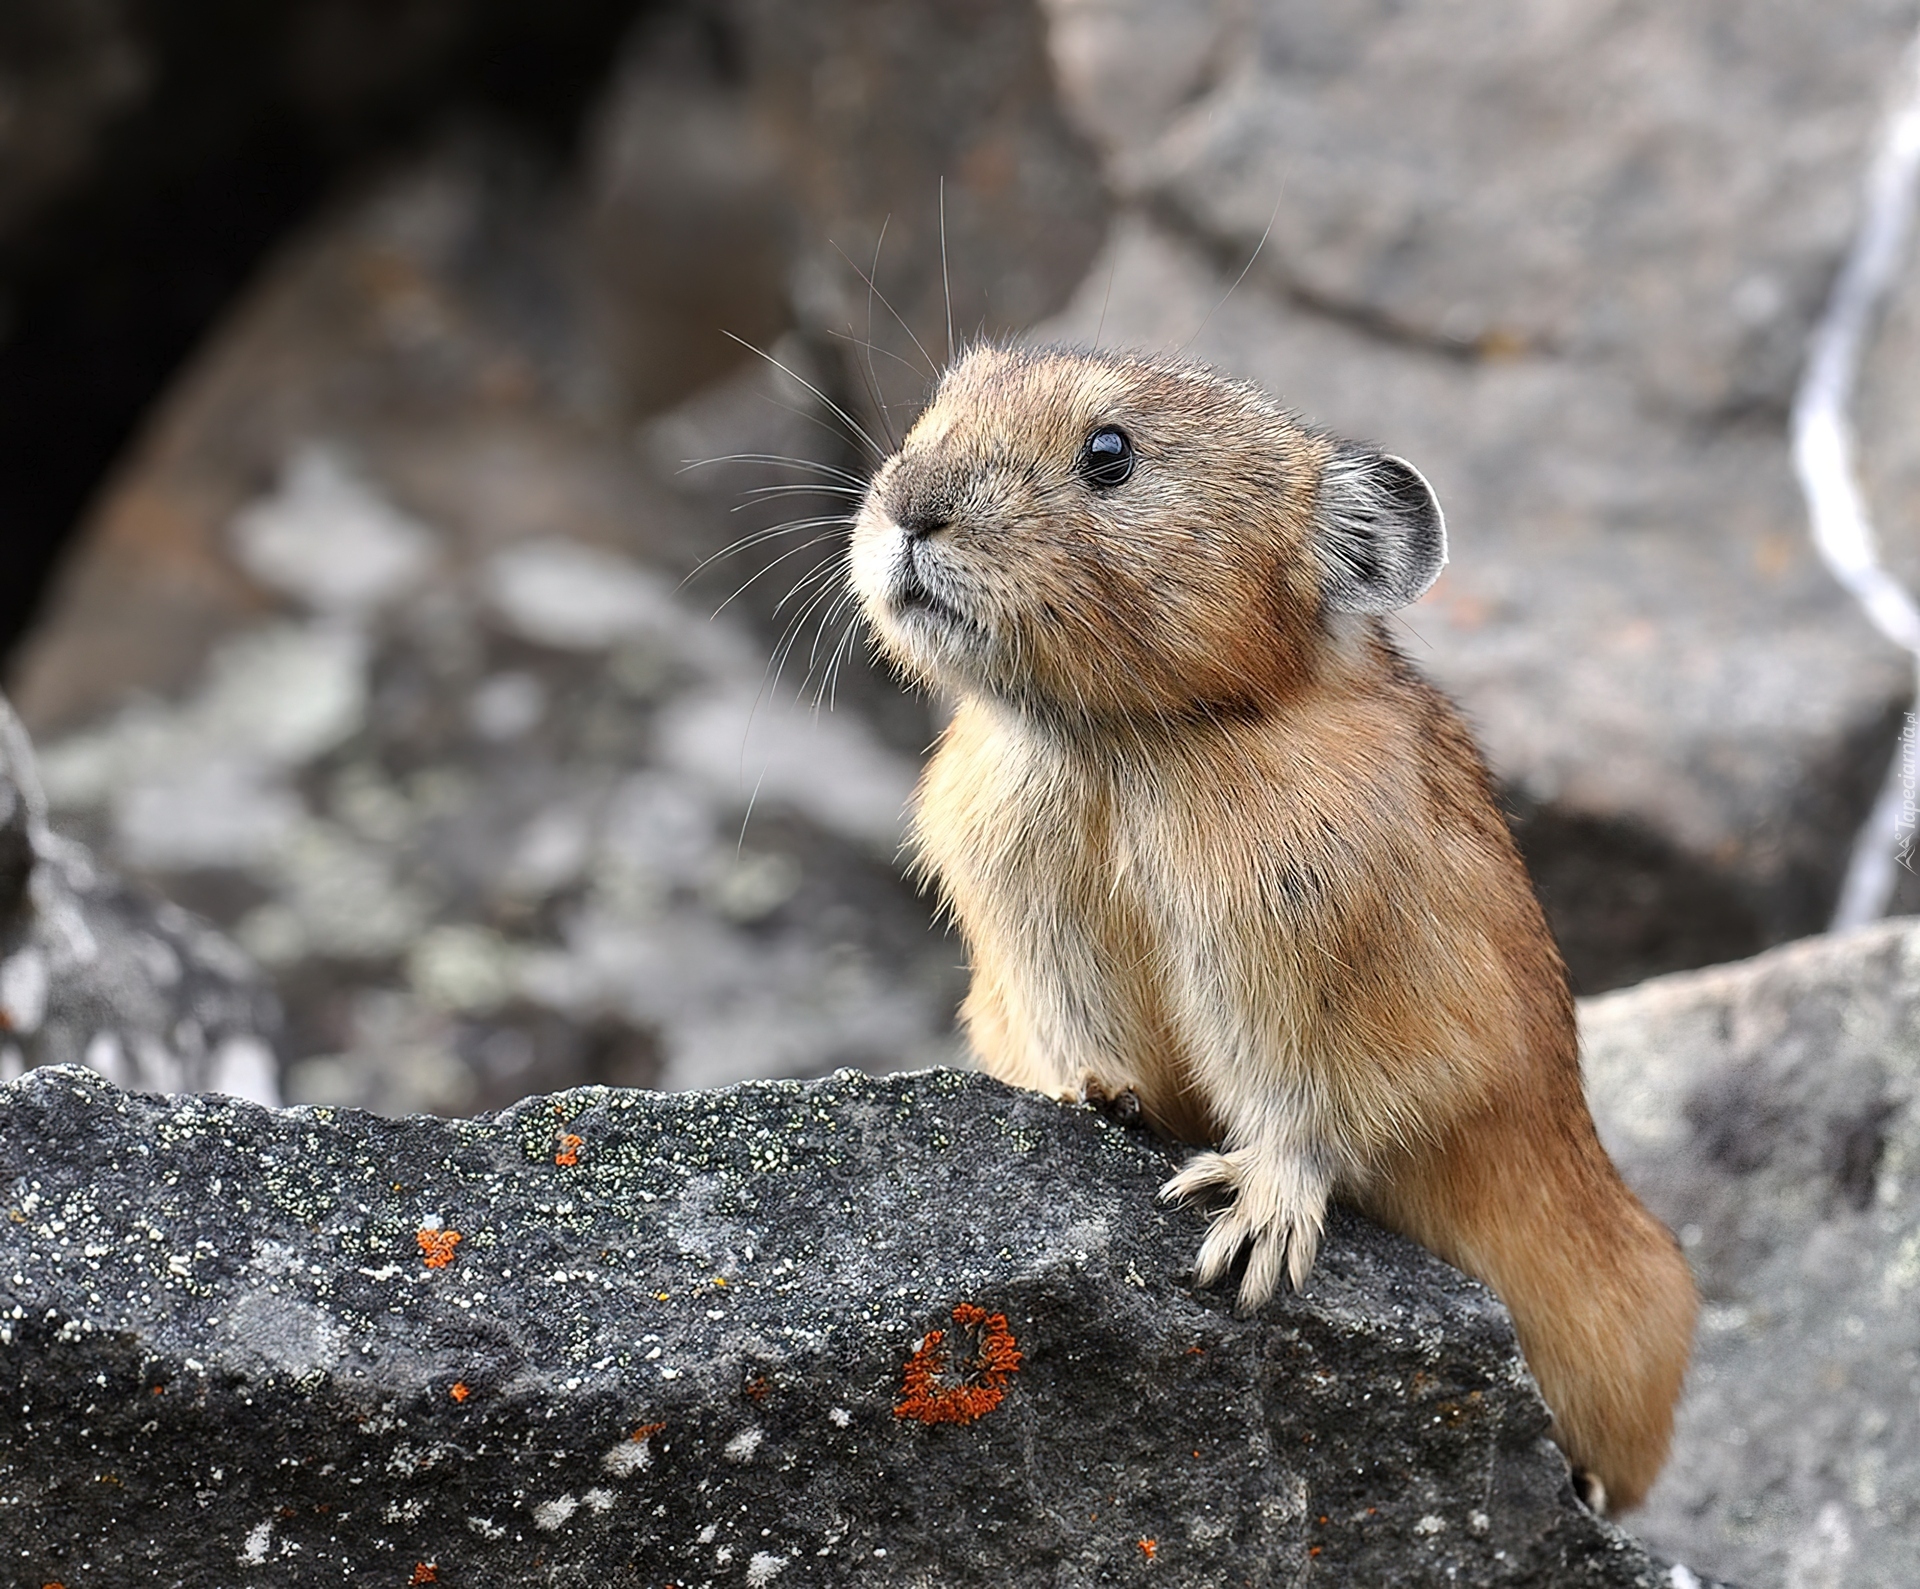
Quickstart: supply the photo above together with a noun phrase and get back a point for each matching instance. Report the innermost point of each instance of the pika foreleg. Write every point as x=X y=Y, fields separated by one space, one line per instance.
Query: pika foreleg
x=1279 y=1211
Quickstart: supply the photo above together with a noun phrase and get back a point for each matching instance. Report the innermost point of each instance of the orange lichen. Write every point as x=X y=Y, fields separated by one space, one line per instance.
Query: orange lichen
x=923 y=1396
x=1150 y=1548
x=569 y=1150
x=436 y=1246
x=757 y=1387
x=459 y=1390
x=425 y=1572
x=646 y=1431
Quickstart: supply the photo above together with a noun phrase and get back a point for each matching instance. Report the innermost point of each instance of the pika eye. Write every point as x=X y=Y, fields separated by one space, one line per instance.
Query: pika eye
x=1108 y=459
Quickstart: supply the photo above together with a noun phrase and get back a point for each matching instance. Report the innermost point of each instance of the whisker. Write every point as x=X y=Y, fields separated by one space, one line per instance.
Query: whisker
x=758 y=574
x=946 y=281
x=871 y=382
x=827 y=674
x=803 y=488
x=777 y=458
x=791 y=637
x=1112 y=271
x=842 y=650
x=873 y=347
x=847 y=419
x=826 y=572
x=757 y=537
x=840 y=603
x=932 y=368
x=1243 y=273
x=873 y=376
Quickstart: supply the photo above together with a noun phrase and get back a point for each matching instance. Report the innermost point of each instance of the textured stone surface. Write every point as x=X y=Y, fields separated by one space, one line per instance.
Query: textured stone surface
x=1567 y=263
x=678 y=1356
x=1770 y=1112
x=93 y=971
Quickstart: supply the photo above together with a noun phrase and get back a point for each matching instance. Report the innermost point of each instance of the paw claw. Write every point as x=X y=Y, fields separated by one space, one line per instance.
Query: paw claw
x=1201 y=1173
x=1279 y=1216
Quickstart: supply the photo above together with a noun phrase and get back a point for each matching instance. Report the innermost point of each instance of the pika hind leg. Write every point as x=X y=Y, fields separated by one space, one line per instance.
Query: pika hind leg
x=1279 y=1210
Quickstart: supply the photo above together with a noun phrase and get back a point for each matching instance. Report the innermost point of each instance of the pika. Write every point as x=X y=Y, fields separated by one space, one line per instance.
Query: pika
x=1213 y=844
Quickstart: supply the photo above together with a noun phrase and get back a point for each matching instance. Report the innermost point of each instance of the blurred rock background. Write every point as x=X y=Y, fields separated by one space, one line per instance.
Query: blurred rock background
x=364 y=606
x=355 y=355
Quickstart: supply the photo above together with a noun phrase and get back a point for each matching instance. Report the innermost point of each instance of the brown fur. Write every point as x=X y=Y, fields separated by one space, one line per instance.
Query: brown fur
x=1213 y=841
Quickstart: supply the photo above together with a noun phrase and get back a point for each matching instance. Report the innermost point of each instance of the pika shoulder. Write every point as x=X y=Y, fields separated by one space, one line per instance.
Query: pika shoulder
x=1211 y=840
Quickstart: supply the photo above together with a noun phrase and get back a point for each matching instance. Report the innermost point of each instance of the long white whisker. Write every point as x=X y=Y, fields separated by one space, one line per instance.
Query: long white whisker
x=776 y=458
x=847 y=419
x=873 y=347
x=758 y=537
x=827 y=571
x=1237 y=279
x=946 y=281
x=932 y=368
x=800 y=488
x=759 y=574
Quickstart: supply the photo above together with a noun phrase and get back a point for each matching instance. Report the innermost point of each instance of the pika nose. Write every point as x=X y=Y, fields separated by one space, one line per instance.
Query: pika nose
x=918 y=523
x=919 y=499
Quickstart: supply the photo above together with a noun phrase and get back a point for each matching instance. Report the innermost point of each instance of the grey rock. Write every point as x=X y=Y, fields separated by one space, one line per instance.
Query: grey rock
x=685 y=1353
x=1567 y=265
x=97 y=972
x=1770 y=1113
x=428 y=721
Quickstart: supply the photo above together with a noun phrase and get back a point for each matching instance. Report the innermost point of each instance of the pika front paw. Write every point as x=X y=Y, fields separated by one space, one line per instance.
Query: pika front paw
x=1278 y=1211
x=1122 y=1107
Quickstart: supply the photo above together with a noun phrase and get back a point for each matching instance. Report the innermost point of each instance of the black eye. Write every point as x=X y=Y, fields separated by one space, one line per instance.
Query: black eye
x=1108 y=459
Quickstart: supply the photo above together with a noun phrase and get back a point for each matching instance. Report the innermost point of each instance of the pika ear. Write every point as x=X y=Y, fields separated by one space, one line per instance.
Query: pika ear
x=1378 y=532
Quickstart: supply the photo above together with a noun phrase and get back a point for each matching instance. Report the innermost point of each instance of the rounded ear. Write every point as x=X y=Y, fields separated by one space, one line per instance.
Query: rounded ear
x=1378 y=532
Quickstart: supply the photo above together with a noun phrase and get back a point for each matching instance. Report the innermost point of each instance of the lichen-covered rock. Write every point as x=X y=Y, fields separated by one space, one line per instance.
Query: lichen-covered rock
x=620 y=1337
x=1770 y=1113
x=94 y=971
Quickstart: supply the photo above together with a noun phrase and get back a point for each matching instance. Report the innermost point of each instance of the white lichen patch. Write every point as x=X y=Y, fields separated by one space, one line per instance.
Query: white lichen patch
x=628 y=1458
x=259 y=1538
x=764 y=1567
x=743 y=1445
x=1430 y=1524
x=553 y=1514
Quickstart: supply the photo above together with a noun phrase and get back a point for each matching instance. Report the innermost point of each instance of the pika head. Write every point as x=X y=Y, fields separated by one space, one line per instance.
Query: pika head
x=1118 y=536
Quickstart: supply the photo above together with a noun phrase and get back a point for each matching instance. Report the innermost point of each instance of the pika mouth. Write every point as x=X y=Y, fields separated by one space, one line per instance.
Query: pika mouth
x=912 y=594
